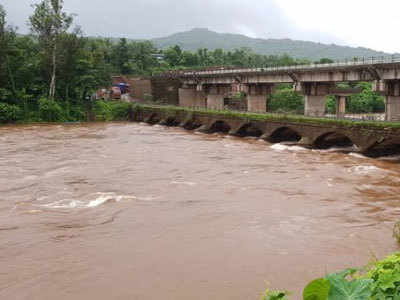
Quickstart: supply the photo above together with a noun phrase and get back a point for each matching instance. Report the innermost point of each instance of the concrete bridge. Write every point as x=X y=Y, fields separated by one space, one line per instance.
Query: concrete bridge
x=369 y=139
x=208 y=89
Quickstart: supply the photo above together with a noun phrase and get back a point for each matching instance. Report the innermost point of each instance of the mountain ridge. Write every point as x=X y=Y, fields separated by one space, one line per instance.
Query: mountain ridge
x=204 y=38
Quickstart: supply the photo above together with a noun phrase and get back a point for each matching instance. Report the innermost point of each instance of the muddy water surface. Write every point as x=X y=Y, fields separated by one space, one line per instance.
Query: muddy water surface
x=132 y=211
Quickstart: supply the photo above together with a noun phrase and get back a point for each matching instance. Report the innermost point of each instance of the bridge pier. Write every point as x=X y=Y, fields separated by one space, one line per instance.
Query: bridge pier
x=192 y=97
x=315 y=97
x=216 y=95
x=392 y=101
x=340 y=106
x=257 y=97
x=314 y=106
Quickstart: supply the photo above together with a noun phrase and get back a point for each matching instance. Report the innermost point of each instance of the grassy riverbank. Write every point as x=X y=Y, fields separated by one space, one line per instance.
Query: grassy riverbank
x=52 y=111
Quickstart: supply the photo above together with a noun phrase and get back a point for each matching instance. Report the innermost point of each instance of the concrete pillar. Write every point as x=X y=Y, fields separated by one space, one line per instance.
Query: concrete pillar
x=315 y=97
x=340 y=107
x=315 y=106
x=257 y=97
x=392 y=108
x=257 y=103
x=215 y=101
x=392 y=100
x=192 y=98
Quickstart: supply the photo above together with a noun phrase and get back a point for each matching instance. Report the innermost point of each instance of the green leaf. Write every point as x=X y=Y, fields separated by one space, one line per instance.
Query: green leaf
x=317 y=290
x=341 y=289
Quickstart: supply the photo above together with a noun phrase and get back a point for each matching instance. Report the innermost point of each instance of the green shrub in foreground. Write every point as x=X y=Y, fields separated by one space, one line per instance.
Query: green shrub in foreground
x=386 y=278
x=9 y=113
x=380 y=282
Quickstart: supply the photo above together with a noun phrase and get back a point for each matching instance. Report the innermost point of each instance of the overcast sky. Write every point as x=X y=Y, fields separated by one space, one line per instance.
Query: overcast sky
x=362 y=23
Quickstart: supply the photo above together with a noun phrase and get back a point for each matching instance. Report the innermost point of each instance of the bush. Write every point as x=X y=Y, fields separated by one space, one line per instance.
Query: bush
x=77 y=113
x=274 y=295
x=50 y=111
x=112 y=111
x=386 y=277
x=331 y=105
x=365 y=102
x=286 y=100
x=379 y=281
x=121 y=111
x=9 y=113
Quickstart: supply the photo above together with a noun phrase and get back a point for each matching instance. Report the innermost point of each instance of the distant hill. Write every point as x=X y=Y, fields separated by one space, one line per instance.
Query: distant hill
x=204 y=38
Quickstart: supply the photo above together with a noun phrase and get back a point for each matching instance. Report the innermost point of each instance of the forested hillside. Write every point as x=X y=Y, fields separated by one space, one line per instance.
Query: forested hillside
x=203 y=38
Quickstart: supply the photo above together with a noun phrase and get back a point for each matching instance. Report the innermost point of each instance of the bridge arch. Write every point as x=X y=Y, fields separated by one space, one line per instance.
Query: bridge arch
x=385 y=148
x=171 y=121
x=154 y=118
x=219 y=126
x=249 y=129
x=333 y=139
x=191 y=124
x=284 y=134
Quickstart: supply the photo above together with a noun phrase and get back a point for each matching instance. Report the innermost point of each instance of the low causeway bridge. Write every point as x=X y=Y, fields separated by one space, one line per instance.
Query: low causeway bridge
x=208 y=89
x=370 y=138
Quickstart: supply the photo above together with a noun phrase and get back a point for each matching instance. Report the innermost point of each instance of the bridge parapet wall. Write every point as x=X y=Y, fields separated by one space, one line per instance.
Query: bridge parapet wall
x=310 y=135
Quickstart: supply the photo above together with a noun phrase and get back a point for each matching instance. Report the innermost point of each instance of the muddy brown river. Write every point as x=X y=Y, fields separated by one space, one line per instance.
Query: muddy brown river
x=132 y=211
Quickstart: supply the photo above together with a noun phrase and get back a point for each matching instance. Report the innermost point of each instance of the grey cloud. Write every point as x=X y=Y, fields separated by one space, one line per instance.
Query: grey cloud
x=157 y=18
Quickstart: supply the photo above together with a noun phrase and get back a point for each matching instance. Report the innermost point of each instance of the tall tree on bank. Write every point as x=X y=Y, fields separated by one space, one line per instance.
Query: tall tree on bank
x=7 y=37
x=48 y=22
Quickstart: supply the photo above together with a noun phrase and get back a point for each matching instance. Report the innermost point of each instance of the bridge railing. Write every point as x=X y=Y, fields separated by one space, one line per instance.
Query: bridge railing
x=360 y=61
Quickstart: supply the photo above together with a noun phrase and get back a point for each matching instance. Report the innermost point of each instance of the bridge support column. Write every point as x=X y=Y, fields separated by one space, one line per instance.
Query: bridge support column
x=315 y=106
x=315 y=98
x=340 y=107
x=216 y=95
x=192 y=97
x=257 y=103
x=257 y=97
x=392 y=101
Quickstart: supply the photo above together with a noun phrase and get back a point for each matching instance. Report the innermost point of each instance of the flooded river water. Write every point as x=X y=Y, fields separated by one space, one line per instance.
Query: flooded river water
x=132 y=211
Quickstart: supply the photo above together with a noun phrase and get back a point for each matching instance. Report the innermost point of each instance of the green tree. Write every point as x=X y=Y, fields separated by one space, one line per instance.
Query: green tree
x=48 y=22
x=173 y=56
x=122 y=56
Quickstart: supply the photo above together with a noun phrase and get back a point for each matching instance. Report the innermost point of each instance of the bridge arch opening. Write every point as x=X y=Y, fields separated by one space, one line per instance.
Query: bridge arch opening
x=284 y=134
x=172 y=122
x=220 y=126
x=386 y=148
x=249 y=130
x=191 y=125
x=154 y=119
x=333 y=139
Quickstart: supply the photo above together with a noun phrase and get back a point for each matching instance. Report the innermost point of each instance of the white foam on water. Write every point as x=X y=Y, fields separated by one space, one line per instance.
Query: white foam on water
x=104 y=198
x=283 y=147
x=99 y=199
x=184 y=183
x=358 y=155
x=390 y=158
x=64 y=204
x=364 y=169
